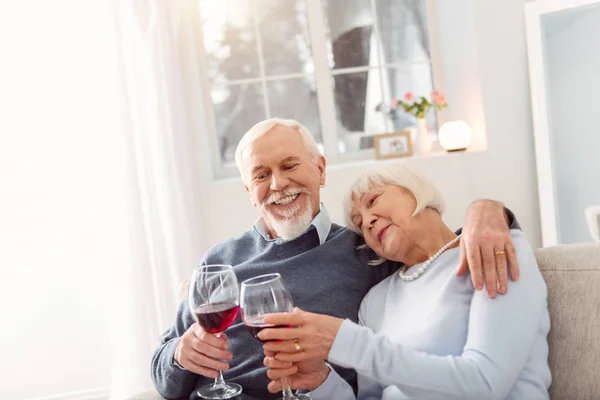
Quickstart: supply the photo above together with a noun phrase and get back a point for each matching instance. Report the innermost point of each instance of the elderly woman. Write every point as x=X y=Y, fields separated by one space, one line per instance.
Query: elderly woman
x=424 y=333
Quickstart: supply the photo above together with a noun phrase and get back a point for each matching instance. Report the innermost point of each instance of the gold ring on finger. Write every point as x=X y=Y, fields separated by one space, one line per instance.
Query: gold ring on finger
x=499 y=252
x=297 y=345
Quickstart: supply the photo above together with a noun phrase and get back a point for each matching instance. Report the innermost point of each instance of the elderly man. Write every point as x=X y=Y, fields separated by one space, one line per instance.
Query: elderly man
x=283 y=171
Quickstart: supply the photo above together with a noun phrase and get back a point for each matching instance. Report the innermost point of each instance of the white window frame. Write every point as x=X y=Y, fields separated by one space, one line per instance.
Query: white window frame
x=323 y=76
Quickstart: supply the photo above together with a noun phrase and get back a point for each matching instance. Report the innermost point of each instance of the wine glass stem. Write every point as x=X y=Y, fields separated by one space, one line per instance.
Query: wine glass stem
x=219 y=381
x=287 y=392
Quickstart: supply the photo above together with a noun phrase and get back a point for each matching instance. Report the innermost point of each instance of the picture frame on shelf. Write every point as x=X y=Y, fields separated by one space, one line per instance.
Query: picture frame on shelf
x=392 y=145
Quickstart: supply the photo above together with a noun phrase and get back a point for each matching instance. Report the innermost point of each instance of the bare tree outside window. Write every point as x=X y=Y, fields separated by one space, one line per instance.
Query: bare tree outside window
x=389 y=39
x=252 y=47
x=261 y=65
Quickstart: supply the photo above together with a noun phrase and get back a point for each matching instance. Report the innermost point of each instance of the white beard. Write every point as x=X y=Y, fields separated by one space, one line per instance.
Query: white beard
x=292 y=226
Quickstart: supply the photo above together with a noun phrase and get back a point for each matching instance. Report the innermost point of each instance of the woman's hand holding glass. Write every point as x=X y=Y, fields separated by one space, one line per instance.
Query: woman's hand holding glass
x=262 y=296
x=311 y=339
x=303 y=375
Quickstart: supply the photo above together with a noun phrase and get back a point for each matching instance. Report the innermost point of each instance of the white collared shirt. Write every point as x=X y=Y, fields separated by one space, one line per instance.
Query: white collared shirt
x=322 y=223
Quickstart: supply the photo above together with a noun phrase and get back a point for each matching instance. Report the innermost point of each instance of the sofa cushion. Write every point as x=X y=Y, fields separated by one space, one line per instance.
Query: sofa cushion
x=572 y=274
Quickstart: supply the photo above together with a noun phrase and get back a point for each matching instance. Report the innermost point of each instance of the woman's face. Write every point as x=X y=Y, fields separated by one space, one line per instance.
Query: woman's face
x=384 y=215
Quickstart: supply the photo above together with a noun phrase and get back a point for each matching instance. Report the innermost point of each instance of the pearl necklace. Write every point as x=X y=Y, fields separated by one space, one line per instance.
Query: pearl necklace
x=426 y=264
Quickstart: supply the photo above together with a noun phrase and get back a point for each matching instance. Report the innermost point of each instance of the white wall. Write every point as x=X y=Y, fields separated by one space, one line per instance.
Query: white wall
x=572 y=51
x=485 y=77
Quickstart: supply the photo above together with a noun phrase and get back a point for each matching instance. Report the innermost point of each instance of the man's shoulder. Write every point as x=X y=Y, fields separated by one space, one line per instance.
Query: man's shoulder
x=339 y=232
x=248 y=236
x=360 y=249
x=244 y=243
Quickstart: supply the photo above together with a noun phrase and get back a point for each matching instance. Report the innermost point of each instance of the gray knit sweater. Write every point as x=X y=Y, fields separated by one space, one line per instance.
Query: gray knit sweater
x=331 y=278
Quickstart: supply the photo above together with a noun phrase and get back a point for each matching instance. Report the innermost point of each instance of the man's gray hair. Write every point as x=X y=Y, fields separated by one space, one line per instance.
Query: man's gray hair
x=426 y=192
x=263 y=128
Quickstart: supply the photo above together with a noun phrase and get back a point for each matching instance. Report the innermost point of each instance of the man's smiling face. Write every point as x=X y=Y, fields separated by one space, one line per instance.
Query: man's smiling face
x=283 y=180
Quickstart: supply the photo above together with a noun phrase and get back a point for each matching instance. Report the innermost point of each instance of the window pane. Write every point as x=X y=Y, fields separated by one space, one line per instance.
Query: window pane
x=296 y=99
x=349 y=25
x=403 y=28
x=284 y=35
x=236 y=108
x=356 y=97
x=359 y=96
x=229 y=39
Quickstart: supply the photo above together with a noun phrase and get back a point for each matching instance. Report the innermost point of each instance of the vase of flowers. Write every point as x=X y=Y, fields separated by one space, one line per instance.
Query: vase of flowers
x=419 y=107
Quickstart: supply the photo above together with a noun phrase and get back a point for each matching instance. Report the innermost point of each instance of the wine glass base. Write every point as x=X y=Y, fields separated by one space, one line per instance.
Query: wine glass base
x=217 y=392
x=297 y=397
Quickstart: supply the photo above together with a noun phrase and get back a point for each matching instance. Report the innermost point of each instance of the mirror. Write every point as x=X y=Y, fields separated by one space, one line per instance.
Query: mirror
x=564 y=68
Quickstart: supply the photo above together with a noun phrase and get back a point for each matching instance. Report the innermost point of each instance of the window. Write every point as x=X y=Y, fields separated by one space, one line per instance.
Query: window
x=330 y=64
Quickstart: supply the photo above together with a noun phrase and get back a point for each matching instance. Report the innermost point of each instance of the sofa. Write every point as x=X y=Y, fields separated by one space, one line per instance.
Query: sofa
x=572 y=274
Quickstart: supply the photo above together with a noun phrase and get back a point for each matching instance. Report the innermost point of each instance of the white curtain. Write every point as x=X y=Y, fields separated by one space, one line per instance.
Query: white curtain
x=163 y=161
x=100 y=200
x=61 y=198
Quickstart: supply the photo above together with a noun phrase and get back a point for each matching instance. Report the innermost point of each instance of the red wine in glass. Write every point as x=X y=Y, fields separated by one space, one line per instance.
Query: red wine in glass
x=255 y=329
x=213 y=297
x=216 y=317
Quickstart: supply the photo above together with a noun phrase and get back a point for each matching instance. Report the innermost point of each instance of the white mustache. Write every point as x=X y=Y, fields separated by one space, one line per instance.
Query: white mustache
x=285 y=193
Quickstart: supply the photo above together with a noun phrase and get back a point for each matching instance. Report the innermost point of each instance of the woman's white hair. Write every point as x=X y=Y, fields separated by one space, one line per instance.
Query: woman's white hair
x=425 y=191
x=262 y=128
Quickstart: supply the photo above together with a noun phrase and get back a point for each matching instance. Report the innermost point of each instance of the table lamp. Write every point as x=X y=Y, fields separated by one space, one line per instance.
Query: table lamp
x=455 y=136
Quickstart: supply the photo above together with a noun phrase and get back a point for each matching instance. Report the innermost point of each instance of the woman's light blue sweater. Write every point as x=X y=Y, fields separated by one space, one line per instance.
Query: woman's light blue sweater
x=438 y=338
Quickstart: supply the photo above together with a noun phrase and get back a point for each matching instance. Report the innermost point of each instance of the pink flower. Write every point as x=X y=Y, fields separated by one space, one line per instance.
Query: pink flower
x=394 y=104
x=438 y=98
x=409 y=96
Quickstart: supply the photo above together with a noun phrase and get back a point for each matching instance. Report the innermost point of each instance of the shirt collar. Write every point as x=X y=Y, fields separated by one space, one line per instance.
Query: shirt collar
x=322 y=223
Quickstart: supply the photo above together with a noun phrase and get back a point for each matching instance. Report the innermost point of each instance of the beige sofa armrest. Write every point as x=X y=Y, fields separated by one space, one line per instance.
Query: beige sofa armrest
x=572 y=274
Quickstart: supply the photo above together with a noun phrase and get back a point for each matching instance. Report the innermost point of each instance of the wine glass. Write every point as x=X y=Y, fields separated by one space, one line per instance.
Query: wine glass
x=266 y=294
x=214 y=301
